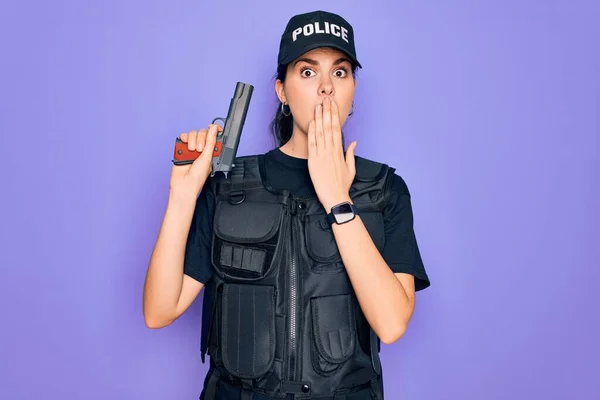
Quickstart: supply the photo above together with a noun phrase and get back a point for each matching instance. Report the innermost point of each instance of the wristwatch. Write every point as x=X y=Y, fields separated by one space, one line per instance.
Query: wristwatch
x=342 y=213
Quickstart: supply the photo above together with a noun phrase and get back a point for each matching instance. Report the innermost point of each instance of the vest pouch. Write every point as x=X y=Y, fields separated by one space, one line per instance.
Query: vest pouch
x=334 y=332
x=321 y=246
x=320 y=241
x=246 y=235
x=248 y=329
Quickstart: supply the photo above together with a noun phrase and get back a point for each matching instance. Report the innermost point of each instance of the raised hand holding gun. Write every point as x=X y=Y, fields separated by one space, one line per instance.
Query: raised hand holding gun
x=221 y=143
x=188 y=179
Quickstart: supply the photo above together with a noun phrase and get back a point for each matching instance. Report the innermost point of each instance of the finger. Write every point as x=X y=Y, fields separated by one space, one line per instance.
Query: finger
x=211 y=141
x=201 y=139
x=192 y=140
x=183 y=137
x=319 y=127
x=219 y=129
x=336 y=128
x=204 y=160
x=312 y=139
x=327 y=122
x=350 y=162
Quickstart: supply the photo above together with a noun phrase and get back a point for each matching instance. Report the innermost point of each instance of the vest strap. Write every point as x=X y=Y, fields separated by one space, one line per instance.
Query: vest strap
x=377 y=388
x=210 y=392
x=245 y=175
x=237 y=177
x=247 y=393
x=377 y=382
x=375 y=352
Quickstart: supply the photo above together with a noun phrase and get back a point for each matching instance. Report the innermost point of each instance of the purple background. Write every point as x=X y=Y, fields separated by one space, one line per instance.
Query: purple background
x=488 y=109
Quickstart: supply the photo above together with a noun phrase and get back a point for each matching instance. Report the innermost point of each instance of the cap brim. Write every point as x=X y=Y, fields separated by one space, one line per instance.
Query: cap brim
x=313 y=46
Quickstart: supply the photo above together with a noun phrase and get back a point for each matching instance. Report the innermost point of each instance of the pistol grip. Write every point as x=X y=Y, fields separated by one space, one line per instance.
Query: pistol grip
x=183 y=156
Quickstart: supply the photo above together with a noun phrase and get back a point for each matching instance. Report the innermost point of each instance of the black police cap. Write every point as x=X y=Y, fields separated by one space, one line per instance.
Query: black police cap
x=309 y=31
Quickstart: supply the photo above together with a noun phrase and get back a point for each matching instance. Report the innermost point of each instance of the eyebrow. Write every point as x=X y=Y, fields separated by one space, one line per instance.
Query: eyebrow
x=313 y=62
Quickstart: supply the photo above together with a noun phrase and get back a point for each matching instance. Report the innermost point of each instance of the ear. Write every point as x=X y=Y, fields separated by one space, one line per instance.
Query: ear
x=280 y=91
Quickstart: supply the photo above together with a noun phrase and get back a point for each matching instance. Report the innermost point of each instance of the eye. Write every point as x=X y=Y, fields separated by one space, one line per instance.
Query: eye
x=306 y=72
x=341 y=73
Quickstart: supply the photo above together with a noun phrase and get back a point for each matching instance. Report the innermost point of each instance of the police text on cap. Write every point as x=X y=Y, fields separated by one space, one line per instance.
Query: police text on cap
x=314 y=27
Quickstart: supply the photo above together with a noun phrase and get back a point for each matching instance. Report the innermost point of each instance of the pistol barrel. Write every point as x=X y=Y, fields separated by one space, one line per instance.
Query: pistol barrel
x=234 y=124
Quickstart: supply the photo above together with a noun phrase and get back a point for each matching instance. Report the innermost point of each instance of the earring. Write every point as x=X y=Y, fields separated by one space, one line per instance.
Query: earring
x=351 y=112
x=283 y=110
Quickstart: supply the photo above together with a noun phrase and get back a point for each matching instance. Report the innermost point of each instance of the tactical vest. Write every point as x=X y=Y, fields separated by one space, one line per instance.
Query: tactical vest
x=280 y=316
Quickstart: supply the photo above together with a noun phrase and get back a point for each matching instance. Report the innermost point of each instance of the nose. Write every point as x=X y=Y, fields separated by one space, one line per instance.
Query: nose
x=326 y=87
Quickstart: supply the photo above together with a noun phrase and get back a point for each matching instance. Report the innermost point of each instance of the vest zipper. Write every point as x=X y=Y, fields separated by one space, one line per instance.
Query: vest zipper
x=293 y=282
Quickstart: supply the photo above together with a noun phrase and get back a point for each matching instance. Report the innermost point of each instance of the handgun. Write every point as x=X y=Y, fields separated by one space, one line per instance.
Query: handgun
x=228 y=139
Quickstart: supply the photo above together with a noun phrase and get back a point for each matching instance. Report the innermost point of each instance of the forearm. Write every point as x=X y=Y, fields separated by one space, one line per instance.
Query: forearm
x=380 y=294
x=164 y=279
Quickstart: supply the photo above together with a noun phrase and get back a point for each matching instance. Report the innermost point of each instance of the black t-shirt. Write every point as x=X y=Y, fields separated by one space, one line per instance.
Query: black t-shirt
x=284 y=172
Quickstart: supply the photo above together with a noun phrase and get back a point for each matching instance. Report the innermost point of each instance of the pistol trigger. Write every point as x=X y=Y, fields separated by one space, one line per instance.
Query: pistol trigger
x=224 y=121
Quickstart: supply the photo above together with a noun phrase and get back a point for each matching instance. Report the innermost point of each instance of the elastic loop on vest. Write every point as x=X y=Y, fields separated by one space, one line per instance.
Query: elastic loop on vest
x=240 y=195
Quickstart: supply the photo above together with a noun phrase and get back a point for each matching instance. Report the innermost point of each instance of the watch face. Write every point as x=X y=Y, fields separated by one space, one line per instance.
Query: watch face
x=343 y=213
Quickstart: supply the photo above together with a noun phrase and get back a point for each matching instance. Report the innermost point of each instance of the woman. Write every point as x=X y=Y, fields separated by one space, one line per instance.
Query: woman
x=308 y=260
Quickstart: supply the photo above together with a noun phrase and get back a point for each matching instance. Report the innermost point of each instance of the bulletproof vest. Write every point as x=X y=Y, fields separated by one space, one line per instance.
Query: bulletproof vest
x=280 y=316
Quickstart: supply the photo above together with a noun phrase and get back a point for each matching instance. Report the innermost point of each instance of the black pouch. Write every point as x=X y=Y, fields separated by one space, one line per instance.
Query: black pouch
x=334 y=332
x=320 y=245
x=320 y=241
x=245 y=238
x=248 y=338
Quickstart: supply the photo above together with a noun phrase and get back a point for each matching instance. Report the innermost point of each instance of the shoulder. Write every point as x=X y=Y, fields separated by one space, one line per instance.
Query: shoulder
x=243 y=165
x=248 y=157
x=368 y=169
x=246 y=160
x=372 y=170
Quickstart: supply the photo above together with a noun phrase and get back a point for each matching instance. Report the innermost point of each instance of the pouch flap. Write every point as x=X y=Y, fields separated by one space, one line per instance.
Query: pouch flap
x=320 y=242
x=247 y=222
x=248 y=329
x=334 y=327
